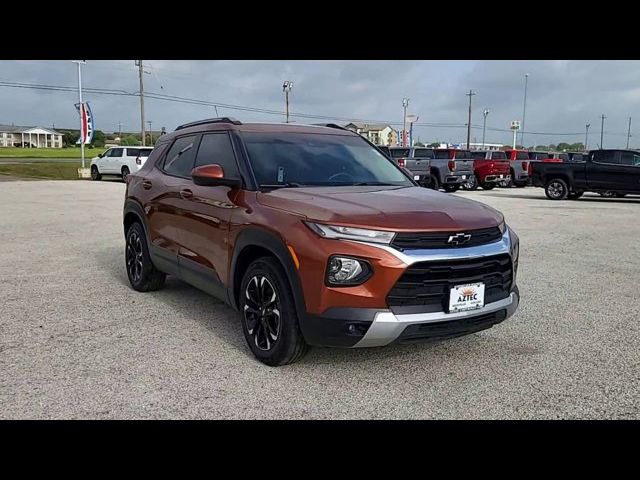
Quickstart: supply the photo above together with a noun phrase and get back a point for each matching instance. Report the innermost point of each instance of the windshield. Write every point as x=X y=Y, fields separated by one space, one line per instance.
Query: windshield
x=301 y=159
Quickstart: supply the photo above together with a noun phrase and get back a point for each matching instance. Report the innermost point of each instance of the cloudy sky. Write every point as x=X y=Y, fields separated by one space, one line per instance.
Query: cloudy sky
x=562 y=96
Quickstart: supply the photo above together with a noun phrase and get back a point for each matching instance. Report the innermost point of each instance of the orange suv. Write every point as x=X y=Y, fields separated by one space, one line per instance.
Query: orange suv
x=316 y=238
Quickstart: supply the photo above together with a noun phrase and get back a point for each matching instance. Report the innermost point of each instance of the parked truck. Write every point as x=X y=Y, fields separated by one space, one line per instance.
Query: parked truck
x=603 y=171
x=417 y=161
x=490 y=168
x=519 y=160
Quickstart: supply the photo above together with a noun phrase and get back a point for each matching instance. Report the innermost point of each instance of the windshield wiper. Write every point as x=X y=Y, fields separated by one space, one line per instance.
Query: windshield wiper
x=282 y=185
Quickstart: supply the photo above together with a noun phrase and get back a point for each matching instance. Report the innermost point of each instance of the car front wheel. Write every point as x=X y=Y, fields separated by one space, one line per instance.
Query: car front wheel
x=269 y=317
x=95 y=173
x=125 y=174
x=143 y=275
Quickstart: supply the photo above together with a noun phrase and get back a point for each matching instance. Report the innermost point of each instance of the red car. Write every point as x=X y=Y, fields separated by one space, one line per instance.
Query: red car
x=489 y=169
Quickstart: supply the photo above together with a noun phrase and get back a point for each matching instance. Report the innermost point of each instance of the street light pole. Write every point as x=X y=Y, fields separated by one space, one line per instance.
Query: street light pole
x=80 y=63
x=470 y=94
x=286 y=88
x=524 y=108
x=586 y=137
x=405 y=104
x=602 y=132
x=629 y=133
x=150 y=132
x=484 y=123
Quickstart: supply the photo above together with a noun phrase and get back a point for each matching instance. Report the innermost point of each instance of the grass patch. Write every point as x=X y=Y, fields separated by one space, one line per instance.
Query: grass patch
x=13 y=152
x=49 y=170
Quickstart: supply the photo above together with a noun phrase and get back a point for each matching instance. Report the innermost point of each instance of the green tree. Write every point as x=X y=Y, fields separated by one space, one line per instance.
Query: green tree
x=434 y=145
x=418 y=144
x=98 y=138
x=130 y=140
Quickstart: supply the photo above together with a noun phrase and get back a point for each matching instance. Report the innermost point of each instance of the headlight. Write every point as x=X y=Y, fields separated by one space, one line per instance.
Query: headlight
x=502 y=227
x=351 y=233
x=515 y=252
x=347 y=271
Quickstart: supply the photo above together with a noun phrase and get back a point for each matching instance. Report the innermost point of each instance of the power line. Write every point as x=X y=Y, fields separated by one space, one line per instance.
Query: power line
x=193 y=101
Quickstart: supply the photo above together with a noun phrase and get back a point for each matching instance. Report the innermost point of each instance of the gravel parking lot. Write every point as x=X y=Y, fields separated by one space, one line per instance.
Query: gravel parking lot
x=77 y=342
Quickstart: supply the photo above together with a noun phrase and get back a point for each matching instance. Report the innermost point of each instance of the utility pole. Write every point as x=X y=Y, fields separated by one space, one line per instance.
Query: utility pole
x=120 y=130
x=586 y=137
x=80 y=63
x=405 y=104
x=286 y=88
x=150 y=132
x=484 y=123
x=629 y=133
x=140 y=72
x=216 y=107
x=470 y=94
x=602 y=131
x=524 y=108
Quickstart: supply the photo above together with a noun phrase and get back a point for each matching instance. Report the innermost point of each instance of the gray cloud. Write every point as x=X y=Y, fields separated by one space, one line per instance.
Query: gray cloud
x=562 y=95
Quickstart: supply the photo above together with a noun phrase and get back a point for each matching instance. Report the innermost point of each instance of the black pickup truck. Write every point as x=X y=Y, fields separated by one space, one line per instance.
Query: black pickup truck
x=615 y=172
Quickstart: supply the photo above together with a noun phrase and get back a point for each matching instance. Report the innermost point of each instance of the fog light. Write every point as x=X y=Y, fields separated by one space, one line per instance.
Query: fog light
x=346 y=271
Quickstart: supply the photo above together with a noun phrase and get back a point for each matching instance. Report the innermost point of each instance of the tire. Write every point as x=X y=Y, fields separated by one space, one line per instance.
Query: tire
x=95 y=173
x=608 y=194
x=263 y=278
x=488 y=186
x=125 y=173
x=556 y=189
x=435 y=184
x=574 y=195
x=143 y=275
x=472 y=184
x=451 y=188
x=619 y=195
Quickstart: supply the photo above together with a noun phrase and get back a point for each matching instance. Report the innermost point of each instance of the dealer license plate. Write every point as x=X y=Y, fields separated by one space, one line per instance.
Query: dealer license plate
x=466 y=297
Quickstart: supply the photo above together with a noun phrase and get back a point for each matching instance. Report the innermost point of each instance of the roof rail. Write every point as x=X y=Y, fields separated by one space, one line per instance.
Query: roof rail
x=330 y=125
x=210 y=120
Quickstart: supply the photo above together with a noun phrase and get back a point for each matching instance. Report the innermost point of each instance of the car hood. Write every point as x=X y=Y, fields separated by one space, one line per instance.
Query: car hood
x=390 y=208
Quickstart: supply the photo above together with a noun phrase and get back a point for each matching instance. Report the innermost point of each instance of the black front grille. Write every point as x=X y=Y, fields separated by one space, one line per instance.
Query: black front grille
x=428 y=284
x=409 y=240
x=451 y=328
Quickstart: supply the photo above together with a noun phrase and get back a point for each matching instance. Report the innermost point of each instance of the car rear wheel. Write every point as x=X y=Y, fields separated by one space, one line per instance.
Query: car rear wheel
x=143 y=275
x=269 y=317
x=95 y=173
x=472 y=184
x=435 y=184
x=125 y=174
x=451 y=188
x=556 y=189
x=488 y=186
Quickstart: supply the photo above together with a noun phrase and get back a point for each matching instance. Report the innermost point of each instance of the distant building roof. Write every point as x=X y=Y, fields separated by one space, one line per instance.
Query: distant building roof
x=23 y=129
x=367 y=127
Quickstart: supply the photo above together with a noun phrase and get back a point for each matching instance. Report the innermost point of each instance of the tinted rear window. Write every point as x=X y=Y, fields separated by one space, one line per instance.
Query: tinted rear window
x=423 y=152
x=145 y=152
x=399 y=152
x=498 y=155
x=441 y=154
x=522 y=156
x=133 y=152
x=463 y=154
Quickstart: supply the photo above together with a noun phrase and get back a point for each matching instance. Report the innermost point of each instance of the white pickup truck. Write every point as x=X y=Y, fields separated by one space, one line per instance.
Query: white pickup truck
x=119 y=161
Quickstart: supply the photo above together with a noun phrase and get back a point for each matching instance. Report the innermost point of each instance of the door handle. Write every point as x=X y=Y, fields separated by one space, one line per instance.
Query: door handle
x=186 y=193
x=146 y=184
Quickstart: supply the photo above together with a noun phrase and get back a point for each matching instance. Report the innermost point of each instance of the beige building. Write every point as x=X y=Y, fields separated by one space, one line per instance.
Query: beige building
x=34 y=137
x=376 y=133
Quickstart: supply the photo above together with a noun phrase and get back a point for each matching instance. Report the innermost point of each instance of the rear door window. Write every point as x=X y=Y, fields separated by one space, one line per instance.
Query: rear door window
x=180 y=158
x=606 y=156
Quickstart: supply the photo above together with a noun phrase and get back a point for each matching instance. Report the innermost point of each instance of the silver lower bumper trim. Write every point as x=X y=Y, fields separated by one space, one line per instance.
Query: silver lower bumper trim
x=387 y=327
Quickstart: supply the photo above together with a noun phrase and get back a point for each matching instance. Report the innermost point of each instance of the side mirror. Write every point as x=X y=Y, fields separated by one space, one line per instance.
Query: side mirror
x=212 y=175
x=100 y=155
